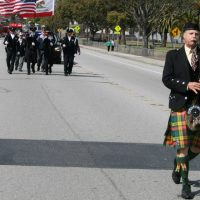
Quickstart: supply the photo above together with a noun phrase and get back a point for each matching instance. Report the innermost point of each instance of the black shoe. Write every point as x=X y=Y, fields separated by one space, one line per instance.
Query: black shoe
x=186 y=192
x=176 y=176
x=38 y=69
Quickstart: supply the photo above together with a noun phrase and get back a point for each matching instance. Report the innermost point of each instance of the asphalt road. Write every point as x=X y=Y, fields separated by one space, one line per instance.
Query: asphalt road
x=95 y=135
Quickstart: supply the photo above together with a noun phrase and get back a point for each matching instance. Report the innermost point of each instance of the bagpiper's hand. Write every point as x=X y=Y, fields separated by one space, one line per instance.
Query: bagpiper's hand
x=18 y=53
x=64 y=45
x=194 y=86
x=6 y=42
x=33 y=43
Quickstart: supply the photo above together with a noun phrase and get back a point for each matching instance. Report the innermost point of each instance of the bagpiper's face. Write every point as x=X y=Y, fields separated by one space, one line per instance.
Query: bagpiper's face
x=191 y=38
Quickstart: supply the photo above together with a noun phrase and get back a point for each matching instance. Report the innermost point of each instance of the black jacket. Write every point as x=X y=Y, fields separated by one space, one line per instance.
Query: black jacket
x=31 y=51
x=12 y=42
x=177 y=74
x=69 y=47
x=21 y=46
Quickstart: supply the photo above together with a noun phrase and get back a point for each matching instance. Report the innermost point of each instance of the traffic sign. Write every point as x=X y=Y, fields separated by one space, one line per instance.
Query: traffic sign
x=117 y=32
x=176 y=32
x=118 y=28
x=77 y=28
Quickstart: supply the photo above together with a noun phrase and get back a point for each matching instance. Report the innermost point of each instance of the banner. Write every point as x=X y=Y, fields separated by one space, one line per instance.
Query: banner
x=44 y=8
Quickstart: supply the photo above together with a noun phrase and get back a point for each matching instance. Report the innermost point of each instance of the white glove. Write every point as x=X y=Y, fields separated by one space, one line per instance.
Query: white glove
x=18 y=53
x=6 y=42
x=33 y=43
x=64 y=45
x=51 y=44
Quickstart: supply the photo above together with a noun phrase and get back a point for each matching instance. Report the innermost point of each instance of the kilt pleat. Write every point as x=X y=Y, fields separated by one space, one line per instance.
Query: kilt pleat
x=178 y=134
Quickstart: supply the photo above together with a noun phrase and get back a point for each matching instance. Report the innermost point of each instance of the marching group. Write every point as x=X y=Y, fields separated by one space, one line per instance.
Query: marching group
x=38 y=48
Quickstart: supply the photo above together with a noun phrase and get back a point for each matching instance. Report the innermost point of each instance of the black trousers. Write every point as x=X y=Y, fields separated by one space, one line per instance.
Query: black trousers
x=10 y=59
x=30 y=65
x=40 y=59
x=68 y=63
x=46 y=63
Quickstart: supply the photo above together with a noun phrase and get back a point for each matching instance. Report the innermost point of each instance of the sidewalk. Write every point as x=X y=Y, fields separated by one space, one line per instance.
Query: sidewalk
x=127 y=56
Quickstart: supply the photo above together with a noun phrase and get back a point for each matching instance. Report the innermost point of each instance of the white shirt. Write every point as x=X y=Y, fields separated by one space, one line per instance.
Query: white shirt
x=12 y=35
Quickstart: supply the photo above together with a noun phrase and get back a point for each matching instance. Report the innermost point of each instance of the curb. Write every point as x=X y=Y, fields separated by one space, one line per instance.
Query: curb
x=143 y=59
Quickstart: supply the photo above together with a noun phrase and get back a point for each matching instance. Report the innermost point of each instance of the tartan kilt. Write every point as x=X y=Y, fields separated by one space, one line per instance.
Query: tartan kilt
x=178 y=134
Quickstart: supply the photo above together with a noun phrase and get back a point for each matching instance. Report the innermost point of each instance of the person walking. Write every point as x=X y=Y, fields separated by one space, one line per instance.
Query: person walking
x=108 y=44
x=69 y=50
x=40 y=51
x=181 y=76
x=11 y=47
x=112 y=45
x=21 y=46
x=52 y=51
x=31 y=51
x=47 y=43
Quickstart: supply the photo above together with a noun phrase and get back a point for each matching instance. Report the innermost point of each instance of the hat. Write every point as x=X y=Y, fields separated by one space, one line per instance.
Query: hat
x=11 y=28
x=32 y=28
x=70 y=30
x=191 y=26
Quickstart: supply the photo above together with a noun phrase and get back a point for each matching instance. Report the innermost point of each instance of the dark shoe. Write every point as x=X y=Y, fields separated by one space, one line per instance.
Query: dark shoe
x=186 y=192
x=176 y=176
x=38 y=69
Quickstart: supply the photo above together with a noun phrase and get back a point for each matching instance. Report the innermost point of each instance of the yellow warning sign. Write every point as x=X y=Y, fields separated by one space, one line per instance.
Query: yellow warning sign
x=118 y=28
x=176 y=32
x=77 y=28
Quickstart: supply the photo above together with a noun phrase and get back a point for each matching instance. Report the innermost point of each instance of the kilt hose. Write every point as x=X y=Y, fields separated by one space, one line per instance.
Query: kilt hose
x=178 y=135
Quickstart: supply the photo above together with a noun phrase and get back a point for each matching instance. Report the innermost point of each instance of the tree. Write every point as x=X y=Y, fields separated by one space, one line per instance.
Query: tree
x=147 y=13
x=91 y=13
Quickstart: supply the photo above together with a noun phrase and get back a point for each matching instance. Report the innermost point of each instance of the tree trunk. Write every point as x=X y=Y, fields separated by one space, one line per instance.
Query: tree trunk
x=123 y=37
x=146 y=41
x=164 y=44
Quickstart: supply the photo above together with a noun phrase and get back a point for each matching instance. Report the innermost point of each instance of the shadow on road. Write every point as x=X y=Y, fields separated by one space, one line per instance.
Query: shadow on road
x=87 y=154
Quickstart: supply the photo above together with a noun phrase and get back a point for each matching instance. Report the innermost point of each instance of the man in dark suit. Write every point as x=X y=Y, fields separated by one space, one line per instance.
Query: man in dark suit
x=181 y=76
x=21 y=46
x=31 y=51
x=69 y=49
x=11 y=47
x=47 y=44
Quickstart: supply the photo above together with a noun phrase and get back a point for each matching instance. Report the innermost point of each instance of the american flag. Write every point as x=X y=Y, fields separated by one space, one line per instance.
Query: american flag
x=9 y=7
